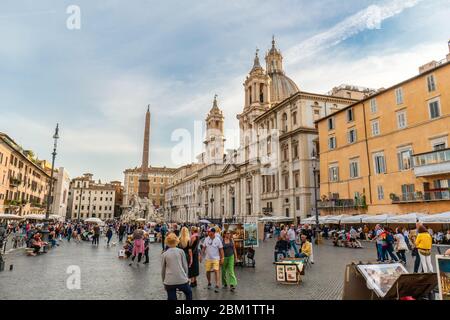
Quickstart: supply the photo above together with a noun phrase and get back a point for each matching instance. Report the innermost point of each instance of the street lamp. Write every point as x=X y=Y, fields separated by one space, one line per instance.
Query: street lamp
x=49 y=195
x=316 y=211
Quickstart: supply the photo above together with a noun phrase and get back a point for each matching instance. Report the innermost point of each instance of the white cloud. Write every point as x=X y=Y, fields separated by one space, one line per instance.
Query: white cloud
x=375 y=71
x=369 y=18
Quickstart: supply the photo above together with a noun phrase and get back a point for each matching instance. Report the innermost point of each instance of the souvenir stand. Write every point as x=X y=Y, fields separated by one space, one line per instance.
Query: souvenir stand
x=385 y=281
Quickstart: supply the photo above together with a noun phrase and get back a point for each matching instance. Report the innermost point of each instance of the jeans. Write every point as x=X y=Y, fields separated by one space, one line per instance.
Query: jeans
x=293 y=245
x=120 y=237
x=401 y=254
x=302 y=255
x=146 y=255
x=172 y=291
x=276 y=253
x=415 y=254
x=109 y=240
x=380 y=256
x=95 y=239
x=389 y=250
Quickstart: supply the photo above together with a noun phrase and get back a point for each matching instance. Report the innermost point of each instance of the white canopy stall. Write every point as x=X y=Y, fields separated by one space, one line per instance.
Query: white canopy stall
x=275 y=219
x=405 y=218
x=381 y=218
x=9 y=216
x=443 y=217
x=353 y=219
x=34 y=216
x=334 y=219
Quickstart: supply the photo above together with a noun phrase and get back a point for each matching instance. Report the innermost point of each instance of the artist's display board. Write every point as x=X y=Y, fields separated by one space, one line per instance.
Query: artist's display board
x=288 y=272
x=250 y=235
x=443 y=272
x=237 y=233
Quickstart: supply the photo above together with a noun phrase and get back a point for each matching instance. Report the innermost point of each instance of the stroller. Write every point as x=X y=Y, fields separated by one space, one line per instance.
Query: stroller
x=86 y=236
x=249 y=257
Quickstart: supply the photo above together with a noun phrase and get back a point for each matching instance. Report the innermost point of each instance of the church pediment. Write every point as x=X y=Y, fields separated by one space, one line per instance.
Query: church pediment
x=229 y=168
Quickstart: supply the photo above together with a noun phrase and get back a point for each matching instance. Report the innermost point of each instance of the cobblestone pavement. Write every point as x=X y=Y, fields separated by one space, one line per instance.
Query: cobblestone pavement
x=104 y=276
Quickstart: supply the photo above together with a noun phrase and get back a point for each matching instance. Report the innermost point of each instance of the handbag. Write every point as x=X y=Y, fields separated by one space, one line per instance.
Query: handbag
x=425 y=252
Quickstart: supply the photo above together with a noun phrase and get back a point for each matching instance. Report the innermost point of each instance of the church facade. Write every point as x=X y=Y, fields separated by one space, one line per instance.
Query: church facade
x=272 y=172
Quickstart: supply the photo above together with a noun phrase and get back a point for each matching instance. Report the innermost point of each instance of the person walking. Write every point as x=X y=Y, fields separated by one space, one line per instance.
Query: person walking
x=69 y=232
x=96 y=236
x=378 y=237
x=230 y=255
x=109 y=234
x=213 y=251
x=400 y=245
x=146 y=247
x=174 y=269
x=163 y=235
x=121 y=231
x=138 y=245
x=185 y=244
x=423 y=244
x=194 y=267
x=388 y=245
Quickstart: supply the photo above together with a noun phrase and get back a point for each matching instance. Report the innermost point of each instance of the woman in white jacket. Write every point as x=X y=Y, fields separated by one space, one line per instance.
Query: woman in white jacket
x=400 y=245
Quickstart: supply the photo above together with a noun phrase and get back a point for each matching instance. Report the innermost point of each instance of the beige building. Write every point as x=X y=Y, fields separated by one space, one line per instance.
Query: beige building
x=271 y=173
x=159 y=179
x=24 y=180
x=389 y=152
x=91 y=199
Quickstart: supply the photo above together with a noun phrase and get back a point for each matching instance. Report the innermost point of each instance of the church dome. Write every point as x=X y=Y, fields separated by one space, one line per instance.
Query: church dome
x=281 y=87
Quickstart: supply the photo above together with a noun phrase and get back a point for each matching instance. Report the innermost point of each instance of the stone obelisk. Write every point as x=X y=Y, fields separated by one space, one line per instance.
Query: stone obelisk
x=144 y=182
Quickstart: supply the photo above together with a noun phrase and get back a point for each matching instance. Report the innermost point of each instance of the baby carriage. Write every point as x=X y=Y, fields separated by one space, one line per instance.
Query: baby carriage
x=249 y=257
x=86 y=236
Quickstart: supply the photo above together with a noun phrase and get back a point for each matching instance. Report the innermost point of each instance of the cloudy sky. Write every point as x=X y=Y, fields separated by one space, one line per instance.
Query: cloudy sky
x=96 y=81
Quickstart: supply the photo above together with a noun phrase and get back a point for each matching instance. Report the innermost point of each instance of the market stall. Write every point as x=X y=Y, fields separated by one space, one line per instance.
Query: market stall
x=374 y=219
x=353 y=219
x=8 y=216
x=405 y=218
x=442 y=218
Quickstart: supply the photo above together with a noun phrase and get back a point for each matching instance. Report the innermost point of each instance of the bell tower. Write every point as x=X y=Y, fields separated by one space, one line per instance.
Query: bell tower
x=257 y=100
x=215 y=140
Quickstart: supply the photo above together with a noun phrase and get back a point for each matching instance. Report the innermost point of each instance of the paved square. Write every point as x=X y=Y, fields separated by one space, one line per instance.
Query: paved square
x=105 y=276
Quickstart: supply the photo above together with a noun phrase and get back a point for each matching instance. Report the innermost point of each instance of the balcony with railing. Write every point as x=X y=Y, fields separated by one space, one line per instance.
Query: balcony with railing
x=342 y=203
x=418 y=196
x=432 y=163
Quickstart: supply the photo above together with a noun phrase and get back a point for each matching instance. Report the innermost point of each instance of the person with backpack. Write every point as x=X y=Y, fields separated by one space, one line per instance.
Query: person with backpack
x=388 y=245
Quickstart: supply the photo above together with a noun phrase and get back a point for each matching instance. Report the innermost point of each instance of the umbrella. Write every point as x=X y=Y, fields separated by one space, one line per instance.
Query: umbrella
x=140 y=220
x=443 y=217
x=204 y=221
x=94 y=220
x=8 y=216
x=34 y=216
